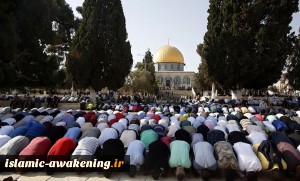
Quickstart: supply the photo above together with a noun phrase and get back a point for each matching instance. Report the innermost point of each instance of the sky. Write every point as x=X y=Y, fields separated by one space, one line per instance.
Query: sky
x=152 y=23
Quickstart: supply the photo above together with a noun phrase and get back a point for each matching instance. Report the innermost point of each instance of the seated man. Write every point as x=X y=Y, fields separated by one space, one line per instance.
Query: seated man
x=180 y=157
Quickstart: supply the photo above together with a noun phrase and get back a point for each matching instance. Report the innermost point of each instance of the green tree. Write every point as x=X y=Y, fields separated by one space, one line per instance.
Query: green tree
x=9 y=41
x=147 y=64
x=203 y=80
x=100 y=54
x=293 y=66
x=33 y=26
x=140 y=81
x=64 y=25
x=273 y=89
x=248 y=41
x=25 y=37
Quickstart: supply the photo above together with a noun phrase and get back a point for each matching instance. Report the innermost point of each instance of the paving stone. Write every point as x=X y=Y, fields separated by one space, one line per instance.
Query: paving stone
x=31 y=176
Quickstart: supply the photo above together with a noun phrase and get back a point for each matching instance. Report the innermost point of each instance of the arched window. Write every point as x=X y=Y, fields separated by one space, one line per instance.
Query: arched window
x=186 y=80
x=177 y=80
x=169 y=78
x=160 y=79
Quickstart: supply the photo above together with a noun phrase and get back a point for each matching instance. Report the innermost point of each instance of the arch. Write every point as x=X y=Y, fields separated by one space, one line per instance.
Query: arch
x=168 y=81
x=186 y=80
x=169 y=78
x=160 y=79
x=177 y=80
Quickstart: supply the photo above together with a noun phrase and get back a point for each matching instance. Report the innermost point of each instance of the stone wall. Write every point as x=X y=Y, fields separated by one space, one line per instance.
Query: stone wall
x=62 y=106
x=163 y=76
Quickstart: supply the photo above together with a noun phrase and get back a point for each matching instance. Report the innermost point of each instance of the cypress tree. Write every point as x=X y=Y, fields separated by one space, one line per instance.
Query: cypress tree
x=293 y=66
x=100 y=54
x=248 y=41
x=9 y=41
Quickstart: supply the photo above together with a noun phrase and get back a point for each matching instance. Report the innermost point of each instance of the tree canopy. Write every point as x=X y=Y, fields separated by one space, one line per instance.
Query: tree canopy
x=140 y=81
x=293 y=66
x=100 y=54
x=145 y=68
x=248 y=41
x=25 y=36
x=203 y=80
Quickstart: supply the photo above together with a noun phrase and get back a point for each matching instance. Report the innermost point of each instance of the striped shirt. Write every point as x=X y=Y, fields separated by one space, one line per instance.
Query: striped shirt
x=86 y=146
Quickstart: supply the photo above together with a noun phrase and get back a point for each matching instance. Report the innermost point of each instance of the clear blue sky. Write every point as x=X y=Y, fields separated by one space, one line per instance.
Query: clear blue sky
x=150 y=23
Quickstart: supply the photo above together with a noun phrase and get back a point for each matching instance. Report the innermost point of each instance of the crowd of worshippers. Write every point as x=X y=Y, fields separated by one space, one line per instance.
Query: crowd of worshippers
x=201 y=140
x=29 y=102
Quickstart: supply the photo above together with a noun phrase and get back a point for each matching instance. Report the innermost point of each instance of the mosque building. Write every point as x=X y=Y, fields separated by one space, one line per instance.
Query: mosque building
x=169 y=70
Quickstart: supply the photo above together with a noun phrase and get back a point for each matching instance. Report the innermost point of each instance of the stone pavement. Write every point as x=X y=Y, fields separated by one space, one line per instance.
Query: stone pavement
x=93 y=176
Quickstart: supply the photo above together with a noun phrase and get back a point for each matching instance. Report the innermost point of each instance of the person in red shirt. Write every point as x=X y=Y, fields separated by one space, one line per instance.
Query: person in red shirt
x=60 y=151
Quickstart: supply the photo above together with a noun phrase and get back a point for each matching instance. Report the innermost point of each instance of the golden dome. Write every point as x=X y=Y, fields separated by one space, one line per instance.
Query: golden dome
x=168 y=54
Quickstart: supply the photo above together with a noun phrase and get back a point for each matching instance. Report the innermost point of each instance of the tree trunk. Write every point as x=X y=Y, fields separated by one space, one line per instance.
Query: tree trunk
x=213 y=91
x=236 y=94
x=93 y=96
x=73 y=89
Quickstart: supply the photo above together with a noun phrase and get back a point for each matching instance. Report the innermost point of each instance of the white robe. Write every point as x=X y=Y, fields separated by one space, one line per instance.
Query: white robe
x=247 y=159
